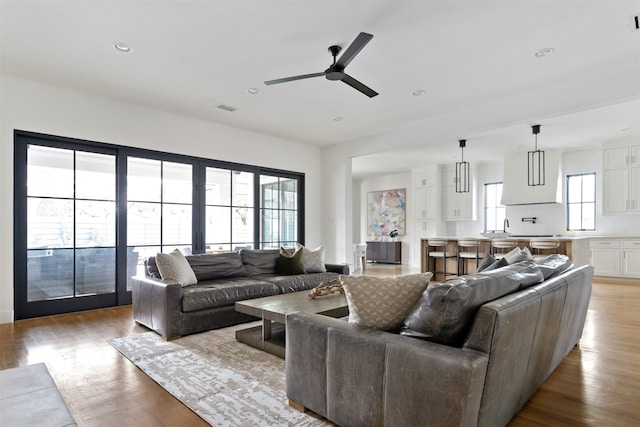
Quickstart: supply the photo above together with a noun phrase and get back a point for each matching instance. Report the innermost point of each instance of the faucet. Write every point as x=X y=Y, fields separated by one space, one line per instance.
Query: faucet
x=505 y=225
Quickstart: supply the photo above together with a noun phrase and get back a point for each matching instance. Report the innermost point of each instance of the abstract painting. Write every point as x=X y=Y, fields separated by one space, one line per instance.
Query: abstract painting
x=386 y=212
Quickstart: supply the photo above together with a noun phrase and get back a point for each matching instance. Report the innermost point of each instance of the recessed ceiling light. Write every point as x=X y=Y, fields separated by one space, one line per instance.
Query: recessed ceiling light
x=419 y=92
x=121 y=47
x=543 y=52
x=338 y=119
x=253 y=90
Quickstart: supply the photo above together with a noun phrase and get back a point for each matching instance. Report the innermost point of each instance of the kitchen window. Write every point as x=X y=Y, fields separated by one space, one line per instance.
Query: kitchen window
x=581 y=202
x=494 y=212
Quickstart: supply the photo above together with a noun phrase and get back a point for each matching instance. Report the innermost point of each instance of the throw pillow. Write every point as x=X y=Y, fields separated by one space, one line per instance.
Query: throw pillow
x=554 y=265
x=175 y=267
x=289 y=263
x=313 y=260
x=497 y=264
x=382 y=302
x=485 y=263
x=516 y=255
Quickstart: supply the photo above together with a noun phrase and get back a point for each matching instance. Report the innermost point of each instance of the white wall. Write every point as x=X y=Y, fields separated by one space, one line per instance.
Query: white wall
x=35 y=107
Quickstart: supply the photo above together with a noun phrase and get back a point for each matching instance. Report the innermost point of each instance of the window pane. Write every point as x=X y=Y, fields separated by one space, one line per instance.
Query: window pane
x=49 y=172
x=95 y=271
x=144 y=181
x=95 y=176
x=218 y=228
x=270 y=192
x=177 y=183
x=218 y=187
x=143 y=224
x=588 y=216
x=135 y=265
x=242 y=226
x=289 y=194
x=242 y=185
x=176 y=224
x=574 y=189
x=589 y=188
x=49 y=274
x=49 y=223
x=95 y=223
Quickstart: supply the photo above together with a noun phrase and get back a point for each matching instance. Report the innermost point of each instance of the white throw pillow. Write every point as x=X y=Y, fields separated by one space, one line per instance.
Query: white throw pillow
x=517 y=255
x=175 y=267
x=382 y=302
x=313 y=260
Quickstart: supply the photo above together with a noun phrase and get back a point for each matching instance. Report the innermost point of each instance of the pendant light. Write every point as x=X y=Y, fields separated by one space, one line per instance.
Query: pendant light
x=462 y=171
x=535 y=162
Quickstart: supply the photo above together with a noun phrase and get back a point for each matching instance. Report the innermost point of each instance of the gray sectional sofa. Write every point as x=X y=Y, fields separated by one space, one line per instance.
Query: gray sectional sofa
x=173 y=310
x=479 y=360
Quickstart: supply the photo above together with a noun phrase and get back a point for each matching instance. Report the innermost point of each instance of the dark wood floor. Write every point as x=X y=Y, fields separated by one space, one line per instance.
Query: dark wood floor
x=598 y=384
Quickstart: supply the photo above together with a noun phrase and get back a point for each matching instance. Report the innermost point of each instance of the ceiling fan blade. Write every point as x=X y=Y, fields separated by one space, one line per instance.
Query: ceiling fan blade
x=353 y=49
x=359 y=86
x=290 y=79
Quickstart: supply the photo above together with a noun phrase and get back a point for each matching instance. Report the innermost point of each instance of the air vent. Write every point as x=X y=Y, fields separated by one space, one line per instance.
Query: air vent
x=226 y=107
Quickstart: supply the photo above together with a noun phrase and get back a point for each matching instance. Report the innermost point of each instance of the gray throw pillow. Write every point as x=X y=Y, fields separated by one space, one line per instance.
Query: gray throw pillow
x=496 y=264
x=554 y=265
x=313 y=259
x=486 y=262
x=516 y=255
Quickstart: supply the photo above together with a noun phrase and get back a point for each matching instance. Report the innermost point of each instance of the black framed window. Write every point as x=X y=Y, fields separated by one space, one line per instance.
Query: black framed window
x=95 y=211
x=581 y=202
x=494 y=212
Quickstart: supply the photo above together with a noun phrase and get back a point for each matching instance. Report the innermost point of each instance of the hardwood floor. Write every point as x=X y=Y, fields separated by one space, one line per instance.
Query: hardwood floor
x=598 y=384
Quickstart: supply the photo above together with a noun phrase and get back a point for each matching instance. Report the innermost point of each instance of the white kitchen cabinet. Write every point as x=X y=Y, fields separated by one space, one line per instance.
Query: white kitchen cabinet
x=425 y=204
x=605 y=257
x=631 y=258
x=621 y=180
x=425 y=178
x=457 y=206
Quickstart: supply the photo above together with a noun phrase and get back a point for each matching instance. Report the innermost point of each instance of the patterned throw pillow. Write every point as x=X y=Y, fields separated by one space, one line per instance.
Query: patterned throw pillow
x=175 y=267
x=313 y=260
x=382 y=302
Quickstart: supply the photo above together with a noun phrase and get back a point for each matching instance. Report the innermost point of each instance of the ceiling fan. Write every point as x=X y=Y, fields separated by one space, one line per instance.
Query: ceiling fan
x=336 y=70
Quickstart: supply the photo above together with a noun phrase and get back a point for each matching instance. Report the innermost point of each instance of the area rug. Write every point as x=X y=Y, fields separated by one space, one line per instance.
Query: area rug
x=30 y=397
x=223 y=381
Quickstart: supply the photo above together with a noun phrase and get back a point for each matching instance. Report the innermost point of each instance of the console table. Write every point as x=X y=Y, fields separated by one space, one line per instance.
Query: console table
x=384 y=252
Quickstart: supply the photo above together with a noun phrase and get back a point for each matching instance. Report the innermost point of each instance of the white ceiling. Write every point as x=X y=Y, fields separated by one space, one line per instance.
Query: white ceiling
x=472 y=59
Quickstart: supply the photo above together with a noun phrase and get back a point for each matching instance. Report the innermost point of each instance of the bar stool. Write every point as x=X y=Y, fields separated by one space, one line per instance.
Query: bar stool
x=468 y=249
x=435 y=254
x=540 y=248
x=500 y=247
x=359 y=256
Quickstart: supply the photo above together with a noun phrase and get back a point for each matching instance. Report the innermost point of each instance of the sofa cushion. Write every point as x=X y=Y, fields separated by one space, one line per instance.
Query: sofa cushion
x=444 y=313
x=485 y=262
x=502 y=262
x=289 y=263
x=313 y=259
x=174 y=266
x=382 y=302
x=215 y=266
x=259 y=261
x=553 y=265
x=224 y=292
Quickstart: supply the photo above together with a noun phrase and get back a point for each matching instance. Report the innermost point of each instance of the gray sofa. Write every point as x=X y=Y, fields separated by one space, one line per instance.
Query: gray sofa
x=173 y=310
x=478 y=374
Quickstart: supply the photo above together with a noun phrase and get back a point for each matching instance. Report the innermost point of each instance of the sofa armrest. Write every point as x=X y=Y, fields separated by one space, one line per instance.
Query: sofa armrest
x=360 y=376
x=157 y=305
x=338 y=268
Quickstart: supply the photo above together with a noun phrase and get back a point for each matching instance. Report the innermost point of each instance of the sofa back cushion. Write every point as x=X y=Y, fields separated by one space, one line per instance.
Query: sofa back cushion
x=445 y=311
x=217 y=266
x=259 y=261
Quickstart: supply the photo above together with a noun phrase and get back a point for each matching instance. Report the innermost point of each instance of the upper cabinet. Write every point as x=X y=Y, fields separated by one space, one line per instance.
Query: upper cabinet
x=457 y=206
x=621 y=180
x=425 y=191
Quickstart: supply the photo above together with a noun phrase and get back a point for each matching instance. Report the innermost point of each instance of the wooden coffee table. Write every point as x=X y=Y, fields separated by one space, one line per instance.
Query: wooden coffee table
x=273 y=310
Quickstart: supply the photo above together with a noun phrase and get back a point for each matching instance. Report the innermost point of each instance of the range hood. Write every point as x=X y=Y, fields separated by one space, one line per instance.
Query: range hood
x=515 y=189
